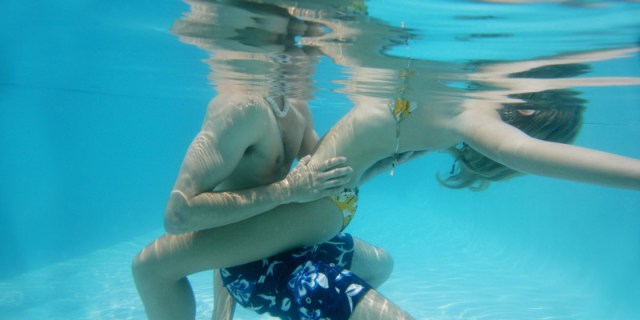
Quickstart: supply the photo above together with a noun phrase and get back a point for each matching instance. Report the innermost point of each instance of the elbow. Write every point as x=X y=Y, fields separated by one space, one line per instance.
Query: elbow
x=516 y=155
x=174 y=222
x=176 y=218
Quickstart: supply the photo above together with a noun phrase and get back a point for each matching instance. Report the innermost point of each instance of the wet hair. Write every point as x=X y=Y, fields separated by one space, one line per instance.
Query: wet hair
x=557 y=118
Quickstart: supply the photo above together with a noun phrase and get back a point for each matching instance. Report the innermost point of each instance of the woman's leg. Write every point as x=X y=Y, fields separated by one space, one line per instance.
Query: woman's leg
x=160 y=269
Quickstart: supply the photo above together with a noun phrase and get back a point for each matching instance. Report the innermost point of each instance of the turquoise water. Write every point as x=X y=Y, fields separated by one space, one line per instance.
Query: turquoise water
x=99 y=101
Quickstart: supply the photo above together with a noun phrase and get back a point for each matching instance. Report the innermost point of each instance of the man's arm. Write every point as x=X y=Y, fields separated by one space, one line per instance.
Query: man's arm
x=213 y=156
x=513 y=148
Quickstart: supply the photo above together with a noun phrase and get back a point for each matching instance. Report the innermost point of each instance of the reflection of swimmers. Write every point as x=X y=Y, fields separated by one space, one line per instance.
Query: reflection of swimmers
x=237 y=168
x=504 y=125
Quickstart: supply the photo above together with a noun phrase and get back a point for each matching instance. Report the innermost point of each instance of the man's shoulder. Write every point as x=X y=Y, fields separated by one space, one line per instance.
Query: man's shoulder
x=234 y=114
x=237 y=106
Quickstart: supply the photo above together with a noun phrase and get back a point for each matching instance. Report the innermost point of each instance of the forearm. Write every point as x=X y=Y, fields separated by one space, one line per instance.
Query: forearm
x=206 y=210
x=214 y=209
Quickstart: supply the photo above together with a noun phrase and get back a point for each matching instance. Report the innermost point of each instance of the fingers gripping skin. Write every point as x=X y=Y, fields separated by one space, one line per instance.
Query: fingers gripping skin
x=311 y=182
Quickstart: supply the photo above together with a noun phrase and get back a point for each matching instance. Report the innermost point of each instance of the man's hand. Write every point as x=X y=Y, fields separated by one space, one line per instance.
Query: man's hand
x=308 y=182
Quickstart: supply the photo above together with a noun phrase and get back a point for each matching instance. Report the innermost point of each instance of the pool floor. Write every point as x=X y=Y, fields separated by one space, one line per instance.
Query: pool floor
x=436 y=285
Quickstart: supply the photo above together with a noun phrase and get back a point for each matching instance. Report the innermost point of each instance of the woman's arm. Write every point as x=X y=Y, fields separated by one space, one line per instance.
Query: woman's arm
x=513 y=148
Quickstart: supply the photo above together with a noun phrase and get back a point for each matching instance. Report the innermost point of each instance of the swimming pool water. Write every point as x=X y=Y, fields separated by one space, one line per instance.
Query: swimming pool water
x=99 y=101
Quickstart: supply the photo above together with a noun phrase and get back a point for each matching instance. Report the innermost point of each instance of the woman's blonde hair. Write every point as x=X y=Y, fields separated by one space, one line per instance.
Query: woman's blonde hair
x=557 y=118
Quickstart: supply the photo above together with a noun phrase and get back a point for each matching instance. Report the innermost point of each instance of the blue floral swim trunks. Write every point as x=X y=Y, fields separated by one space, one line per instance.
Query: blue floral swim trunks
x=311 y=282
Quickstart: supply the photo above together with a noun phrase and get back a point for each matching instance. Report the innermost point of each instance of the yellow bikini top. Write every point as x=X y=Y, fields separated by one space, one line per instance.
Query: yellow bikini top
x=400 y=109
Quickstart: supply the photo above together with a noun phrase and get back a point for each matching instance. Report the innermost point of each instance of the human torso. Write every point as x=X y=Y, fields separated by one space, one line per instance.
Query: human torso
x=269 y=159
x=369 y=133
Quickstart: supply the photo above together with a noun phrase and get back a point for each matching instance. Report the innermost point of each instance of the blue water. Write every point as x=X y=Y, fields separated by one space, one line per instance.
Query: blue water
x=98 y=102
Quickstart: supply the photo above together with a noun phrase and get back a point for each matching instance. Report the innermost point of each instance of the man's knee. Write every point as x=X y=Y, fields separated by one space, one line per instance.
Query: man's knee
x=384 y=268
x=371 y=263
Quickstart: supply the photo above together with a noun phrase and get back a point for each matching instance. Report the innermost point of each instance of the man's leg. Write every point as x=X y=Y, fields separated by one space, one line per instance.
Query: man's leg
x=318 y=285
x=374 y=306
x=370 y=263
x=328 y=291
x=223 y=304
x=374 y=265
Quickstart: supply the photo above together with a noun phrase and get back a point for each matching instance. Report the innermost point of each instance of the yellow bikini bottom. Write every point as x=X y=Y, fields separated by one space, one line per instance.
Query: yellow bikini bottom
x=347 y=202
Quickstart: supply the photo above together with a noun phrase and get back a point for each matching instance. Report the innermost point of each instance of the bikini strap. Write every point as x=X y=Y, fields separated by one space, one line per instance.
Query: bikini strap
x=400 y=109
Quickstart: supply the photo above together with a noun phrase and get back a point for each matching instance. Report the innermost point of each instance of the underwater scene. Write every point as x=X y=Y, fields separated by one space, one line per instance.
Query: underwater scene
x=494 y=152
